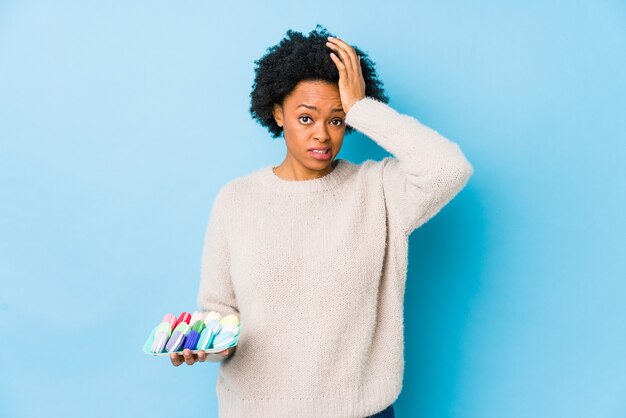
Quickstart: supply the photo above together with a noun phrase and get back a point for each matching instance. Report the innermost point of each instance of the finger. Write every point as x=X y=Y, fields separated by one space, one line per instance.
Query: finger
x=340 y=66
x=355 y=73
x=201 y=356
x=355 y=59
x=351 y=64
x=342 y=55
x=189 y=358
x=349 y=51
x=175 y=359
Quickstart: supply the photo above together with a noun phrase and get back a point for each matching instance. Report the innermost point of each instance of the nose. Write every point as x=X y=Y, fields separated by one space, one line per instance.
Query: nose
x=321 y=132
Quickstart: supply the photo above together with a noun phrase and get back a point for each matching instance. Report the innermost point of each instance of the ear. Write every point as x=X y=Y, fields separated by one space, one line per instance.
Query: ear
x=277 y=111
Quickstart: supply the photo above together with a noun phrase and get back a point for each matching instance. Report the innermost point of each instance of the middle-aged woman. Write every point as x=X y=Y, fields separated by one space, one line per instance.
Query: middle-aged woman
x=311 y=254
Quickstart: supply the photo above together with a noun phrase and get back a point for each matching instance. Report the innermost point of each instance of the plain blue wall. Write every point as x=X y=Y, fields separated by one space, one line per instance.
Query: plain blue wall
x=119 y=121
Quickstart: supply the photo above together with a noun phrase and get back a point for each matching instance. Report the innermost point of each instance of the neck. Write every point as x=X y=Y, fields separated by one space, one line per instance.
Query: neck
x=287 y=171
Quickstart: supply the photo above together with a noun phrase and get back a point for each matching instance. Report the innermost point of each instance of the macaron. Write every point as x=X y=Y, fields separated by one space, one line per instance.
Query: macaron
x=198 y=326
x=184 y=317
x=223 y=339
x=230 y=328
x=178 y=337
x=206 y=339
x=212 y=315
x=171 y=319
x=147 y=346
x=161 y=336
x=202 y=315
x=194 y=335
x=191 y=341
x=230 y=319
x=214 y=325
x=194 y=317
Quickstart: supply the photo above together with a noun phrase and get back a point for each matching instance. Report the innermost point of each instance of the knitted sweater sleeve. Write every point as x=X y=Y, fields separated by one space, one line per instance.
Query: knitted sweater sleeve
x=216 y=291
x=428 y=170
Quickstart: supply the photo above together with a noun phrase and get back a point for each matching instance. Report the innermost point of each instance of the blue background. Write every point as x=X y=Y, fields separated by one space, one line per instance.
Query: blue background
x=119 y=122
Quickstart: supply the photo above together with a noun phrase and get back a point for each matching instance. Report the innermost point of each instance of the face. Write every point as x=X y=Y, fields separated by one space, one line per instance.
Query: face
x=312 y=117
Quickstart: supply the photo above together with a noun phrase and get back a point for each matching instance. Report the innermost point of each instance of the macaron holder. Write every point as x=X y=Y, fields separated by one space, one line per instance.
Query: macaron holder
x=202 y=331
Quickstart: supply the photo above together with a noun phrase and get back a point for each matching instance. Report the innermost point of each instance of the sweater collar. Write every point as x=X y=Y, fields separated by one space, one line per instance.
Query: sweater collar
x=326 y=182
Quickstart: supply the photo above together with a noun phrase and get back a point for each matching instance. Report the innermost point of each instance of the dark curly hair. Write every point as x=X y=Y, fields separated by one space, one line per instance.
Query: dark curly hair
x=297 y=58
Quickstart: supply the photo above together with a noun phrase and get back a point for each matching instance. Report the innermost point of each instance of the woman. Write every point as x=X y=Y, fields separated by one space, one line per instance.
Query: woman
x=312 y=254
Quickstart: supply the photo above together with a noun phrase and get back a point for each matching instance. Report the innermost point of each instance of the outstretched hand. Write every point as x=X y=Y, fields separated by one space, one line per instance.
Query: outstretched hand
x=351 y=82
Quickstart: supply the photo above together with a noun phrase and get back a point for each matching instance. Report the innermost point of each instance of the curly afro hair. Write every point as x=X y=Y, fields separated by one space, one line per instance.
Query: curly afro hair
x=297 y=58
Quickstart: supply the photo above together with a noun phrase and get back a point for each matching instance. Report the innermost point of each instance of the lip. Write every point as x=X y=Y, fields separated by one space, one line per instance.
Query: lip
x=324 y=156
x=319 y=148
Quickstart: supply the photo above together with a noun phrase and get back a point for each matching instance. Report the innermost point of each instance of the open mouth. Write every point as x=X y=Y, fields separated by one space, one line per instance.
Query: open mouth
x=320 y=155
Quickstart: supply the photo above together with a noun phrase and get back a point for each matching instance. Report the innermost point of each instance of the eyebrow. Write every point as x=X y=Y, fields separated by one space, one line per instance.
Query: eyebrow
x=335 y=110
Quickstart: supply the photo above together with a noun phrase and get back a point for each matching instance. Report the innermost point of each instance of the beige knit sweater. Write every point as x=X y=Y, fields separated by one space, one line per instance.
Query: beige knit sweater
x=316 y=271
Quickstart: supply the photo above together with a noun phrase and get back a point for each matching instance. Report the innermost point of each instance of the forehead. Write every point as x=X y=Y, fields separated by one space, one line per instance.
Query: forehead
x=325 y=96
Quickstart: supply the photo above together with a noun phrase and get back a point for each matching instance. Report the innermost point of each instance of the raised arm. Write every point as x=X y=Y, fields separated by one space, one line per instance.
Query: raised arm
x=426 y=170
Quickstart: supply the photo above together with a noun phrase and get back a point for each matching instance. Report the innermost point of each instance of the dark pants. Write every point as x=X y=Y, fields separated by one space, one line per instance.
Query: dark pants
x=386 y=413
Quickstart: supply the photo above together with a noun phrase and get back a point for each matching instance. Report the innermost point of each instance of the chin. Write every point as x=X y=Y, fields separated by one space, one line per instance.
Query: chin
x=324 y=163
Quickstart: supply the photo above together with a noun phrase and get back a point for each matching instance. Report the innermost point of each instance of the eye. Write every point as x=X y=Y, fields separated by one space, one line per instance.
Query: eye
x=340 y=121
